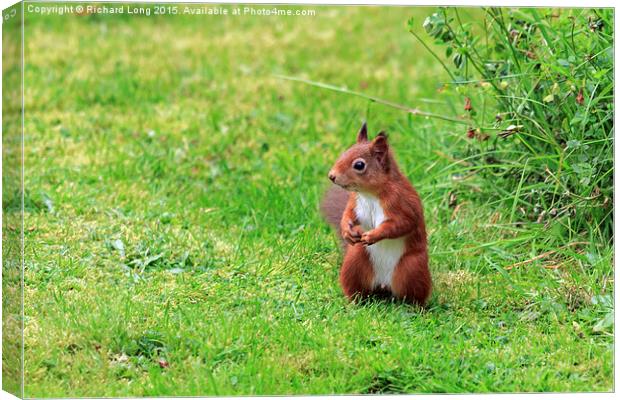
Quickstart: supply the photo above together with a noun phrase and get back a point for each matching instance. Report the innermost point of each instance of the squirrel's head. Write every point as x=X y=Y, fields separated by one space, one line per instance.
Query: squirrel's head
x=365 y=166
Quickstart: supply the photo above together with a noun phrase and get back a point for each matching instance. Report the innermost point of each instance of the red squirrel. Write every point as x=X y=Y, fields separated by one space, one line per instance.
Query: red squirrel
x=378 y=214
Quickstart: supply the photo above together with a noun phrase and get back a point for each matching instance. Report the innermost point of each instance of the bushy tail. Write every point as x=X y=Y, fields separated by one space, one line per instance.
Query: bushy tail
x=333 y=205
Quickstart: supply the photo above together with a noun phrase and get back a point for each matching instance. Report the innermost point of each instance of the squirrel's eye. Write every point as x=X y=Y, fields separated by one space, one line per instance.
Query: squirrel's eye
x=359 y=165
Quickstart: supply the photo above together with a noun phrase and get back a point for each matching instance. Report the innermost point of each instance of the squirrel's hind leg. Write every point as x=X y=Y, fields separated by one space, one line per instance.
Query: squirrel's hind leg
x=356 y=274
x=412 y=279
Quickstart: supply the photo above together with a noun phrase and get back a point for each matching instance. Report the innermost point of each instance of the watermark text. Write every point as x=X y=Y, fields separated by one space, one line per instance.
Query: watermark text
x=148 y=10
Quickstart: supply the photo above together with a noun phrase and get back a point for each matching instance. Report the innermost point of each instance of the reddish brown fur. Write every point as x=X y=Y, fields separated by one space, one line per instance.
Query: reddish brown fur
x=403 y=213
x=333 y=204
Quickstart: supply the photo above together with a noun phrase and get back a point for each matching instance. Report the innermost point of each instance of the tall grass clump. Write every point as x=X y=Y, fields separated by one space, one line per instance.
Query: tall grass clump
x=536 y=86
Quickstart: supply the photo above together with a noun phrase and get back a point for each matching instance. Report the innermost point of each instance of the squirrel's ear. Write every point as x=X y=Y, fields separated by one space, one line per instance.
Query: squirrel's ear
x=362 y=135
x=380 y=149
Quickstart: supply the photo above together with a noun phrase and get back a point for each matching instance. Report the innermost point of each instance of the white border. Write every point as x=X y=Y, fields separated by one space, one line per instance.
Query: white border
x=427 y=3
x=514 y=3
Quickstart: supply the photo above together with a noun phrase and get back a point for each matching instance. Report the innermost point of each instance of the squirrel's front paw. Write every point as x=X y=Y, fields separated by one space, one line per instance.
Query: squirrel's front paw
x=369 y=238
x=352 y=234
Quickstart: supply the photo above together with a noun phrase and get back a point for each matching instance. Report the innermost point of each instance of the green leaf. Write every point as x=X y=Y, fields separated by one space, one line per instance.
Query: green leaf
x=563 y=62
x=605 y=323
x=118 y=246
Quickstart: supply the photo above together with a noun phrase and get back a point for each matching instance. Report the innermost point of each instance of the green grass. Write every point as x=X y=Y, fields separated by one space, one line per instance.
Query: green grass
x=174 y=245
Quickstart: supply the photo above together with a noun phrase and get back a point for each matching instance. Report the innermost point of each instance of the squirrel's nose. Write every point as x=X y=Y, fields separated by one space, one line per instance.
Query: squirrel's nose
x=332 y=177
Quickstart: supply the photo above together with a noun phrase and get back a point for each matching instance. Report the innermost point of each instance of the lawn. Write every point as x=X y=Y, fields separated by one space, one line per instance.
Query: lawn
x=173 y=244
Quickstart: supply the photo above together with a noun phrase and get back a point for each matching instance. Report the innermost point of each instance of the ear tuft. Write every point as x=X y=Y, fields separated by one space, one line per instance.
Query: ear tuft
x=380 y=149
x=380 y=144
x=362 y=135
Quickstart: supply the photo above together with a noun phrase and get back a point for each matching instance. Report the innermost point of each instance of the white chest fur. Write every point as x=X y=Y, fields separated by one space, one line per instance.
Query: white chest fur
x=385 y=254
